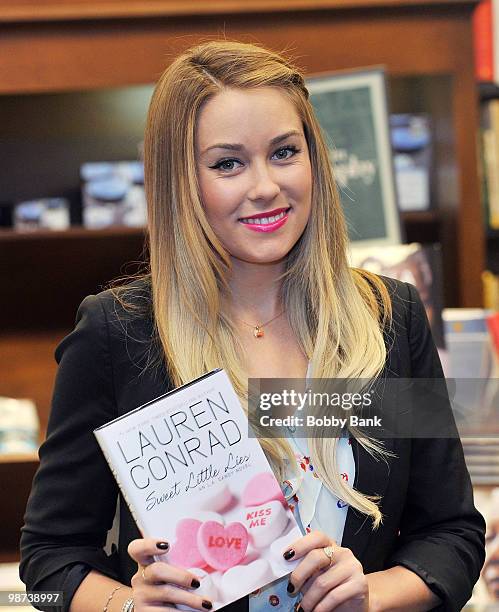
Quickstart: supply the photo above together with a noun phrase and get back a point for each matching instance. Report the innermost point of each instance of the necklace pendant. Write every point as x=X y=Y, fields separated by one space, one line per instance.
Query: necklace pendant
x=258 y=332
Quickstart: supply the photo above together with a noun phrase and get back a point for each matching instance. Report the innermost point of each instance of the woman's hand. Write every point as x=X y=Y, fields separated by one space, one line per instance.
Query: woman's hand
x=157 y=582
x=327 y=584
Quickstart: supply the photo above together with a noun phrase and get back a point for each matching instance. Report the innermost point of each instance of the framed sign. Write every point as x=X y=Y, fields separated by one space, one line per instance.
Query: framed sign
x=352 y=110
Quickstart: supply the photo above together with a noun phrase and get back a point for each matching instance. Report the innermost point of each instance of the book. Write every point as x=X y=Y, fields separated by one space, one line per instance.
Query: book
x=361 y=155
x=113 y=194
x=413 y=263
x=483 y=37
x=193 y=475
x=412 y=144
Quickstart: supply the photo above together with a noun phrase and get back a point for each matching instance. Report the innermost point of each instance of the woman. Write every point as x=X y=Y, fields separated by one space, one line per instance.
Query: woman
x=249 y=272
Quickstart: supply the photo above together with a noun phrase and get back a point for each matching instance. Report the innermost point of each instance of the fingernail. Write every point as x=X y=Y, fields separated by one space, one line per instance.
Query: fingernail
x=195 y=584
x=207 y=604
x=162 y=545
x=289 y=554
x=290 y=588
x=300 y=609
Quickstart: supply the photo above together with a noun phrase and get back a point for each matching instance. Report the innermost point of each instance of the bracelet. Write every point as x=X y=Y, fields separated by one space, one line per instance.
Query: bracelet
x=128 y=606
x=111 y=596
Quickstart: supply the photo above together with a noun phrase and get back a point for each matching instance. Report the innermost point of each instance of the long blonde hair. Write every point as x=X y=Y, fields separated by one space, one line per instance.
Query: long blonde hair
x=337 y=314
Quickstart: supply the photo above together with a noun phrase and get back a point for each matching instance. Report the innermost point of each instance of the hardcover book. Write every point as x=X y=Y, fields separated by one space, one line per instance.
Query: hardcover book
x=192 y=475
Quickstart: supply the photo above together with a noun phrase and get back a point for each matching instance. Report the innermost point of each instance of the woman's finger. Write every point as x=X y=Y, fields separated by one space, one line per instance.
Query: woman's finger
x=299 y=548
x=325 y=582
x=143 y=550
x=160 y=572
x=355 y=592
x=316 y=563
x=168 y=594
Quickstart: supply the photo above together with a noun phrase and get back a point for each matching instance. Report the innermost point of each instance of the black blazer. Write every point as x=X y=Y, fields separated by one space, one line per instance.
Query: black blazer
x=109 y=365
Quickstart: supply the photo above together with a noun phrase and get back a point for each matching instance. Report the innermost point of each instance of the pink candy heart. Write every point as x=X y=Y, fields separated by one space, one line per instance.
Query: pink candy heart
x=261 y=489
x=222 y=547
x=184 y=551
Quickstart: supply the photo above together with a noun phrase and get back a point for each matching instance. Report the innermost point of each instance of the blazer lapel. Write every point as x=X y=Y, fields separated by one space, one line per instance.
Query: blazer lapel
x=371 y=478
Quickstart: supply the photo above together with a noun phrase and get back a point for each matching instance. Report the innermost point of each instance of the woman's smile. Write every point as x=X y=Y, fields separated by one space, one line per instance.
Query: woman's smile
x=267 y=222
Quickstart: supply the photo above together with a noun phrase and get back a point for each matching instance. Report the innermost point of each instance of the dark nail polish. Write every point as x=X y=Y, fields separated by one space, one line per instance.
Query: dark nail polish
x=207 y=604
x=290 y=588
x=163 y=545
x=289 y=554
x=300 y=609
x=195 y=584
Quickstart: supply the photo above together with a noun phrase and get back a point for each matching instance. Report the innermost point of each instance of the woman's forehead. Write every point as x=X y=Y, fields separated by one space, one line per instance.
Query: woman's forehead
x=247 y=114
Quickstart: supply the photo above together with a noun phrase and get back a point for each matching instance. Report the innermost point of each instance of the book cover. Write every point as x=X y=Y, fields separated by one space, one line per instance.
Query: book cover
x=193 y=476
x=419 y=265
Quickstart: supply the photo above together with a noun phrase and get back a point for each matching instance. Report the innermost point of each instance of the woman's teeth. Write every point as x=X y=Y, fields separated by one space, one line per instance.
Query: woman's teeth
x=264 y=220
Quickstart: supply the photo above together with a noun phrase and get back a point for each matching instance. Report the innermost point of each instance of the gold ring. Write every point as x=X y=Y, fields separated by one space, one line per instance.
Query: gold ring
x=329 y=552
x=144 y=573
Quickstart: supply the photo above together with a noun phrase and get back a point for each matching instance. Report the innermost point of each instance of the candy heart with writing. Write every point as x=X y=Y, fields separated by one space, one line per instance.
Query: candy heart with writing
x=248 y=577
x=222 y=547
x=265 y=523
x=184 y=551
x=262 y=488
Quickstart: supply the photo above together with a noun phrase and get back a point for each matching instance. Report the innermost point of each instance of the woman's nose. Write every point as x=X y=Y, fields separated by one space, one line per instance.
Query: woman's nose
x=264 y=186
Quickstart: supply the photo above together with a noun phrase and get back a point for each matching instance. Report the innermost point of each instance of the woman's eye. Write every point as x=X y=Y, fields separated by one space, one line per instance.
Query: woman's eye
x=225 y=164
x=283 y=152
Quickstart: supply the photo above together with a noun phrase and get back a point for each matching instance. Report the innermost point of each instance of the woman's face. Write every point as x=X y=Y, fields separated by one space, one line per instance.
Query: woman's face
x=254 y=172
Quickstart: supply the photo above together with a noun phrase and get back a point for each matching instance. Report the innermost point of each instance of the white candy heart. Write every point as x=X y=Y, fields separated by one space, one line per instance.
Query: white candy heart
x=265 y=523
x=206 y=515
x=279 y=564
x=215 y=498
x=251 y=577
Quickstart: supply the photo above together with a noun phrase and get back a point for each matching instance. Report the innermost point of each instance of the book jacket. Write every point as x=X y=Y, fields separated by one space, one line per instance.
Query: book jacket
x=193 y=476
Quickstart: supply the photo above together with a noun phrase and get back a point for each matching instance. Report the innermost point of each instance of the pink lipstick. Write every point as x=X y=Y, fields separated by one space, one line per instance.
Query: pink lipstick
x=266 y=222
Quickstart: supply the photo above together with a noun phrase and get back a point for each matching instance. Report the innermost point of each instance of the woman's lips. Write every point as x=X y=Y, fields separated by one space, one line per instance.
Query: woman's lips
x=266 y=227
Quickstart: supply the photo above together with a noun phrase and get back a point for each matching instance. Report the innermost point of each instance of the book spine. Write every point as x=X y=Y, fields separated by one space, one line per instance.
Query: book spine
x=492 y=170
x=133 y=510
x=484 y=41
x=490 y=290
x=493 y=325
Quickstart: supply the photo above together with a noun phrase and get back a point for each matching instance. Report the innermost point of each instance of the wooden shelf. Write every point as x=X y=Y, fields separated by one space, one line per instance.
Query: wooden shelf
x=29 y=11
x=73 y=233
x=12 y=458
x=56 y=270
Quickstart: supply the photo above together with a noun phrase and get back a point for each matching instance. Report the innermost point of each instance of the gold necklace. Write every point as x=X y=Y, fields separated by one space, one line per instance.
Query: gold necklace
x=258 y=329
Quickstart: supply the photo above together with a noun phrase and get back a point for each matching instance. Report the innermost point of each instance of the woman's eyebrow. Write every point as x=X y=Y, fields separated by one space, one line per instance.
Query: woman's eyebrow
x=239 y=147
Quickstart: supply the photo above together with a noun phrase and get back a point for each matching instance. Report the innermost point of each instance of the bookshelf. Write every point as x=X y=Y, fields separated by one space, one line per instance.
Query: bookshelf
x=69 y=46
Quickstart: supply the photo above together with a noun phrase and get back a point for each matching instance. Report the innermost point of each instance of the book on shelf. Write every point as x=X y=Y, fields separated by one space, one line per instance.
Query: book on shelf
x=193 y=475
x=113 y=194
x=412 y=146
x=490 y=283
x=489 y=162
x=484 y=19
x=362 y=157
x=419 y=265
